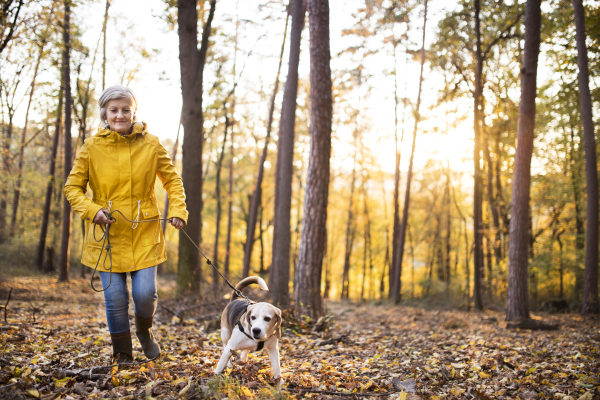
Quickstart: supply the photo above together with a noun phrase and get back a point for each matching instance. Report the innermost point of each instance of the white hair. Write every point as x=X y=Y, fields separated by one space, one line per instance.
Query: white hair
x=115 y=93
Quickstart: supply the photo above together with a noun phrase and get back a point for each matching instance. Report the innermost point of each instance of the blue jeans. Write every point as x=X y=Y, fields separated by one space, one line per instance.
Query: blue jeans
x=116 y=297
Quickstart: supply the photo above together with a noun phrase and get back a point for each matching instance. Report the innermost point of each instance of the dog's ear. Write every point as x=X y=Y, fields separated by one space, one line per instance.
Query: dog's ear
x=248 y=313
x=278 y=322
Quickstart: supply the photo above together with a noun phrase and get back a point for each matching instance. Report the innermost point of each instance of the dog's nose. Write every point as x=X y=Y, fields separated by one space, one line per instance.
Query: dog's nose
x=256 y=331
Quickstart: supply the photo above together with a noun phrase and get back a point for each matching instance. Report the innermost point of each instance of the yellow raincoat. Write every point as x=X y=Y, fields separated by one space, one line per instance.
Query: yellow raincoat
x=121 y=171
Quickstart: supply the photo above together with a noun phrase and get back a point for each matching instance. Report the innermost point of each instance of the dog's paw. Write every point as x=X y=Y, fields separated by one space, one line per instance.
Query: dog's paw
x=279 y=380
x=229 y=364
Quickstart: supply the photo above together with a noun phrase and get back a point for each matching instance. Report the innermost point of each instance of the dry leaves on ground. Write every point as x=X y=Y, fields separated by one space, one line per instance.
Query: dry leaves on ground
x=391 y=352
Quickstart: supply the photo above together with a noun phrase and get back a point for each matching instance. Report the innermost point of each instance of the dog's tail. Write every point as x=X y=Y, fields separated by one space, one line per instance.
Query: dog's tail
x=247 y=282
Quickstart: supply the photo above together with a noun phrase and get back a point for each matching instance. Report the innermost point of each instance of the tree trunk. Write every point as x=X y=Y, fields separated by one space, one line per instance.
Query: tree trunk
x=393 y=271
x=590 y=286
x=367 y=241
x=490 y=195
x=163 y=223
x=448 y=228
x=310 y=257
x=478 y=178
x=350 y=226
x=397 y=284
x=191 y=62
x=215 y=274
x=579 y=230
x=65 y=241
x=518 y=302
x=17 y=191
x=104 y=44
x=230 y=200
x=39 y=258
x=256 y=195
x=561 y=293
x=279 y=275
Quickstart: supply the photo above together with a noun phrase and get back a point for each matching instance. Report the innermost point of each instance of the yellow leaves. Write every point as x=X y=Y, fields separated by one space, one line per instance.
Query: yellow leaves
x=33 y=393
x=62 y=383
x=530 y=371
x=178 y=381
x=484 y=375
x=367 y=385
x=457 y=392
x=246 y=392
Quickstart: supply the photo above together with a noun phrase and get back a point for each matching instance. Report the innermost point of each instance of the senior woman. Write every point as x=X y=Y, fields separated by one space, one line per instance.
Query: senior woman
x=121 y=163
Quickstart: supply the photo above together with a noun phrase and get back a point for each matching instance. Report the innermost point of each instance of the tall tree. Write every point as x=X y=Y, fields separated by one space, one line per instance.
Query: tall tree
x=65 y=240
x=477 y=173
x=314 y=232
x=39 y=255
x=279 y=273
x=518 y=298
x=350 y=231
x=104 y=44
x=467 y=39
x=396 y=286
x=257 y=194
x=17 y=190
x=191 y=63
x=218 y=197
x=590 y=286
x=230 y=194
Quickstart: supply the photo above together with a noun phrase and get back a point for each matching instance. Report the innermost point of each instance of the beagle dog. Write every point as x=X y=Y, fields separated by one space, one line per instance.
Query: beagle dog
x=250 y=327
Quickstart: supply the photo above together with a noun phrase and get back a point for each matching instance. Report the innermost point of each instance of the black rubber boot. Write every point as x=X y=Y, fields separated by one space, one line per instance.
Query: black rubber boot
x=144 y=334
x=122 y=347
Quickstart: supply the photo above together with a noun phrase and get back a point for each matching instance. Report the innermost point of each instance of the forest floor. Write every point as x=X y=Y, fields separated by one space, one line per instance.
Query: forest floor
x=382 y=351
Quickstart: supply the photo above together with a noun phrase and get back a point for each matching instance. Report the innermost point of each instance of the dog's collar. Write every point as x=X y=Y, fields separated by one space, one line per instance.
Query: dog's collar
x=261 y=344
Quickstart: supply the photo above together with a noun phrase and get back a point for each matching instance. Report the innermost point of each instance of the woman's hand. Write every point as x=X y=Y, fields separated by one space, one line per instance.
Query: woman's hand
x=101 y=217
x=177 y=222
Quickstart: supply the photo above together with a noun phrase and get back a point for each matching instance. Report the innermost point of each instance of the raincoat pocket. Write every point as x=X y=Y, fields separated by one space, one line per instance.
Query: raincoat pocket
x=149 y=231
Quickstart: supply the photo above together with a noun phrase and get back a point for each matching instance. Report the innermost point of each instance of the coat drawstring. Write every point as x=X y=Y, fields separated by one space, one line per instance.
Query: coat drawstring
x=137 y=218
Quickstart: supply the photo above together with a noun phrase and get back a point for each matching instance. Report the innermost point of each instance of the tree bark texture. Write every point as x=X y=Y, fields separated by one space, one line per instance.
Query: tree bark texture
x=39 y=257
x=393 y=271
x=279 y=274
x=230 y=200
x=518 y=297
x=350 y=231
x=313 y=236
x=477 y=173
x=396 y=287
x=191 y=62
x=257 y=194
x=65 y=241
x=216 y=277
x=590 y=285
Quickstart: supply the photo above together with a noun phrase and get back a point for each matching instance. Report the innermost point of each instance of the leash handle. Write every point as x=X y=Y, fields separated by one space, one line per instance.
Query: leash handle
x=108 y=247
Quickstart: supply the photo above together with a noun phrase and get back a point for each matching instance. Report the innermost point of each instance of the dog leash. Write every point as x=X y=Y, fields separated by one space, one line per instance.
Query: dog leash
x=105 y=239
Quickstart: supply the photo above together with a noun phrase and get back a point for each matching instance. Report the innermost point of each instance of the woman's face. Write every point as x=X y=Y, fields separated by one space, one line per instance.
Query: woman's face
x=119 y=114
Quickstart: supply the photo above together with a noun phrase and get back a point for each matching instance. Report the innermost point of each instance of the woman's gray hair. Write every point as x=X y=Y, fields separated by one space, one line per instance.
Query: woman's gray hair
x=115 y=93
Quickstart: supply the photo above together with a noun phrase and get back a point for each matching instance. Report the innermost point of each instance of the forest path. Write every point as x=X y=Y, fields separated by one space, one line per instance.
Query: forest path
x=448 y=354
